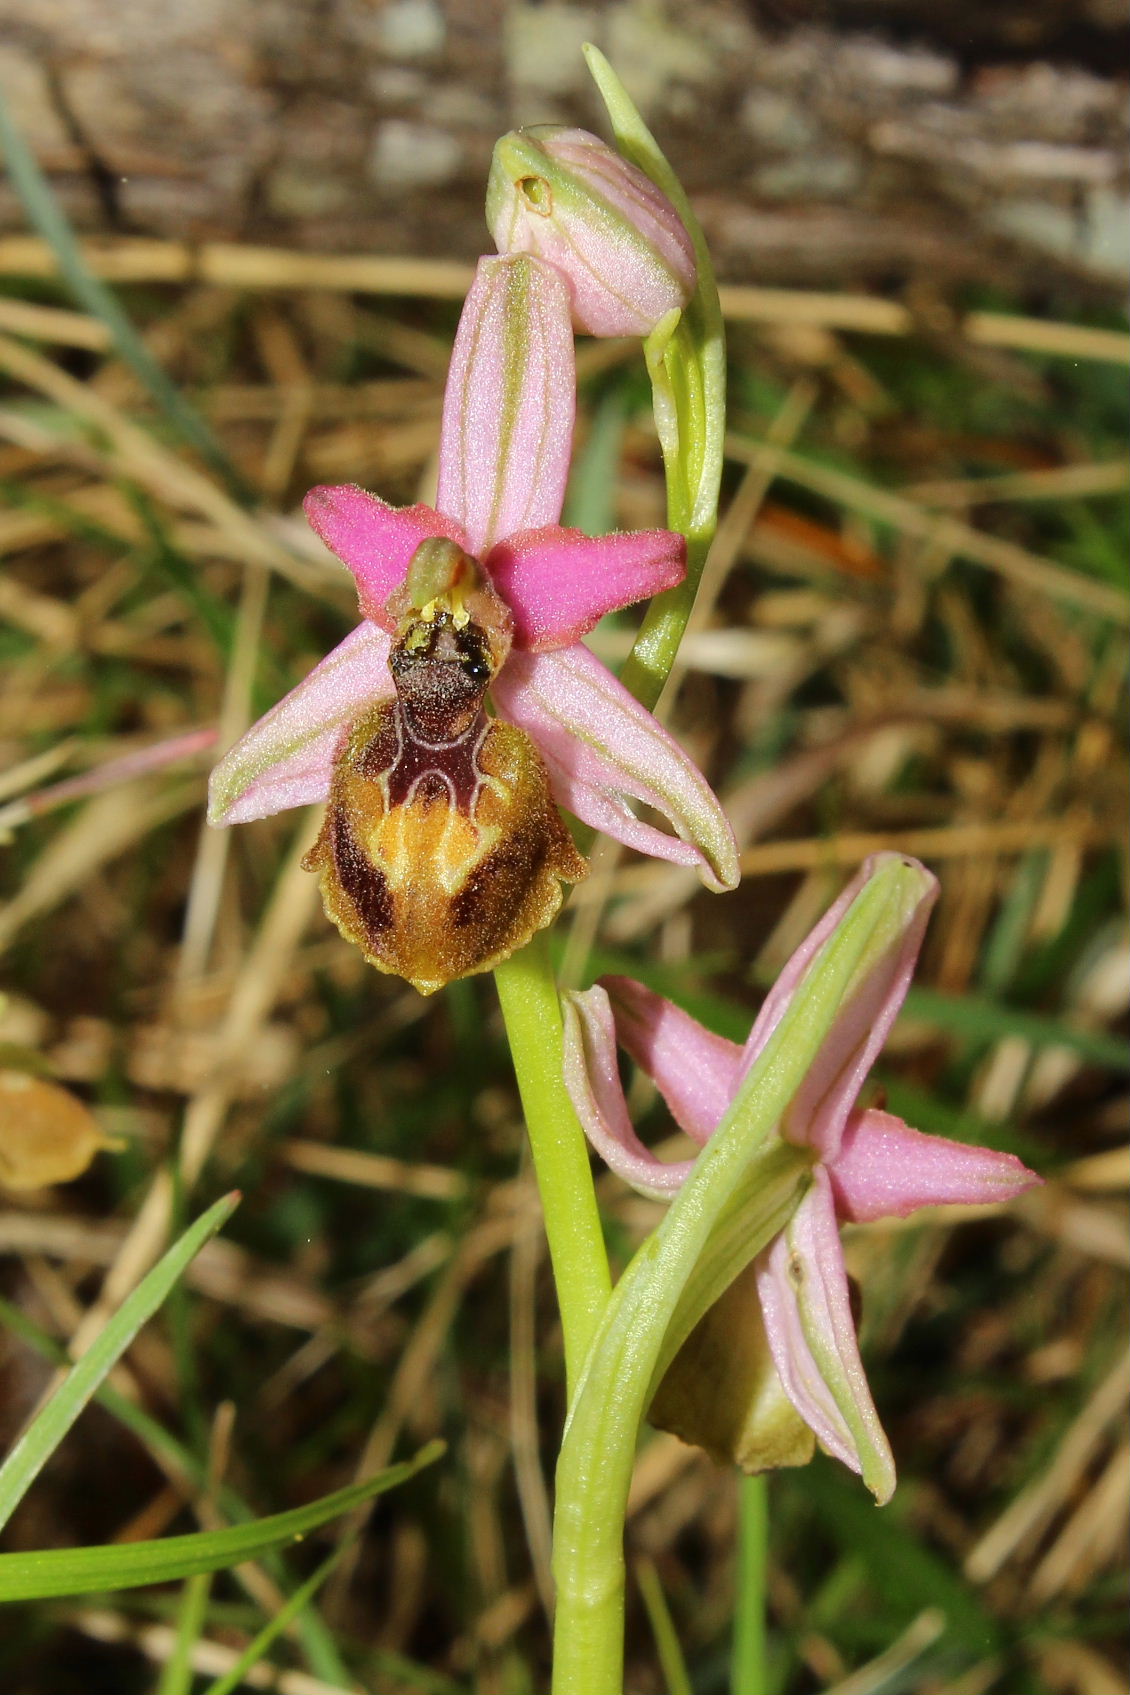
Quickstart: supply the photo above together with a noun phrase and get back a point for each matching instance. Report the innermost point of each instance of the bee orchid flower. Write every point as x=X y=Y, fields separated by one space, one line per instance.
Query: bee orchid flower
x=442 y=849
x=866 y=1163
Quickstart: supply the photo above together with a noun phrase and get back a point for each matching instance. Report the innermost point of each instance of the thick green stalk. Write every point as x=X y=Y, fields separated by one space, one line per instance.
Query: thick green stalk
x=530 y=1007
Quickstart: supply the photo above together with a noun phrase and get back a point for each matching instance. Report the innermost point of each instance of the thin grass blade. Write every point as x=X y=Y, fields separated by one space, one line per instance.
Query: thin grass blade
x=86 y=1571
x=43 y=1436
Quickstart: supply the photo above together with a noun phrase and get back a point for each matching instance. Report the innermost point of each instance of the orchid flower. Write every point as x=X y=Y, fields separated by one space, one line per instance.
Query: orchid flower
x=442 y=848
x=867 y=1164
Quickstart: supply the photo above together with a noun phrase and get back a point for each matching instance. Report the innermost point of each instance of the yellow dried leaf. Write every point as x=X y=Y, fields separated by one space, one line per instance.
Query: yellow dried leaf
x=47 y=1135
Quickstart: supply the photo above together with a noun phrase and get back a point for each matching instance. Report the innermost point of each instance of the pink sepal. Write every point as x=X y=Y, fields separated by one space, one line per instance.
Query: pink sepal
x=559 y=583
x=602 y=748
x=819 y=1111
x=806 y=1306
x=287 y=758
x=694 y=1070
x=593 y=1081
x=374 y=540
x=885 y=1169
x=509 y=402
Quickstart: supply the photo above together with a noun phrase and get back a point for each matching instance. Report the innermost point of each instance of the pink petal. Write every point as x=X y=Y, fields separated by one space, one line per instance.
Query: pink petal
x=559 y=583
x=508 y=407
x=593 y=1082
x=884 y=1169
x=819 y=1112
x=695 y=1071
x=807 y=1309
x=287 y=758
x=375 y=540
x=602 y=748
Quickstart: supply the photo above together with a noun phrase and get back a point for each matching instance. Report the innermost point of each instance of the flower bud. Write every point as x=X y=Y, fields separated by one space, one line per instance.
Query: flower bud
x=565 y=196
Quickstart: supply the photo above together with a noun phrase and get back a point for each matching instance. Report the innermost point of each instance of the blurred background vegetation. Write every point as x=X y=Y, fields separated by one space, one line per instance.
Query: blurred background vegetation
x=912 y=635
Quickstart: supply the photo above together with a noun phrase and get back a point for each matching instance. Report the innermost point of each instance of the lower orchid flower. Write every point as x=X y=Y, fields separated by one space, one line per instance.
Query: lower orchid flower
x=866 y=1163
x=442 y=849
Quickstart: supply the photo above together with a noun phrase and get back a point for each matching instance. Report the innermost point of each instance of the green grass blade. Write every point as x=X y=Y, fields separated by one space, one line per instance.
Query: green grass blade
x=86 y=1571
x=255 y=1649
x=177 y=1677
x=49 y=219
x=40 y=1440
x=317 y=1638
x=983 y=1019
x=670 y=1655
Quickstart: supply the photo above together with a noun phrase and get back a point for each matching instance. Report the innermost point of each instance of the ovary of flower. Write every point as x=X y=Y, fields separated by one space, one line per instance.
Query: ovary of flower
x=442 y=848
x=867 y=1164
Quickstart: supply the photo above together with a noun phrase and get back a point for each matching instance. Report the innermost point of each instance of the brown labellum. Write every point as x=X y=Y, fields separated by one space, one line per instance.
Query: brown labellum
x=442 y=850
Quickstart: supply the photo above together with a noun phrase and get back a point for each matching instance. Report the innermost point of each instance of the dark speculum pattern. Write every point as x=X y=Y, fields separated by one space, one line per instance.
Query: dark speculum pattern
x=489 y=896
x=366 y=886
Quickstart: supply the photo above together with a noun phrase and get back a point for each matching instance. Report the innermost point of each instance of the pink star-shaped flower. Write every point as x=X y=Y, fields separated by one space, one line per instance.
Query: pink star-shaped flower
x=867 y=1164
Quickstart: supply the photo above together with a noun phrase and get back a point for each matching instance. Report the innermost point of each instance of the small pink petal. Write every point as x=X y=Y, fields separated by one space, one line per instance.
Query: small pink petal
x=509 y=402
x=375 y=540
x=601 y=747
x=559 y=583
x=694 y=1070
x=807 y=1310
x=820 y=1109
x=287 y=758
x=593 y=1082
x=884 y=1169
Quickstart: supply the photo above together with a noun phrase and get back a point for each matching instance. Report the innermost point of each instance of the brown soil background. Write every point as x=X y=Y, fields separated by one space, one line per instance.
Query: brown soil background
x=861 y=141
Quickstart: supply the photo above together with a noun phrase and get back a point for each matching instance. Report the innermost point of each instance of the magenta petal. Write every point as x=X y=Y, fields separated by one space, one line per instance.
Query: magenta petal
x=807 y=1310
x=559 y=583
x=509 y=402
x=287 y=758
x=375 y=540
x=694 y=1070
x=602 y=748
x=593 y=1082
x=884 y=1169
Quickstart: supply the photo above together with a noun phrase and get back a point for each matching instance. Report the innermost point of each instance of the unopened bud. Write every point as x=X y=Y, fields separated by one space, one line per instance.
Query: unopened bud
x=565 y=196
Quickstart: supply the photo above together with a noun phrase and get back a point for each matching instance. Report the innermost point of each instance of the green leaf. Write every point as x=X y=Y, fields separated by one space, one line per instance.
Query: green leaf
x=43 y=1436
x=85 y=1571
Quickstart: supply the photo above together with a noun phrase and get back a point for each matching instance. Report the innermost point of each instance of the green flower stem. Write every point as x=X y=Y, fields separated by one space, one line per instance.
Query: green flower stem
x=740 y=1194
x=530 y=1007
x=647 y=666
x=686 y=360
x=748 y=1664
